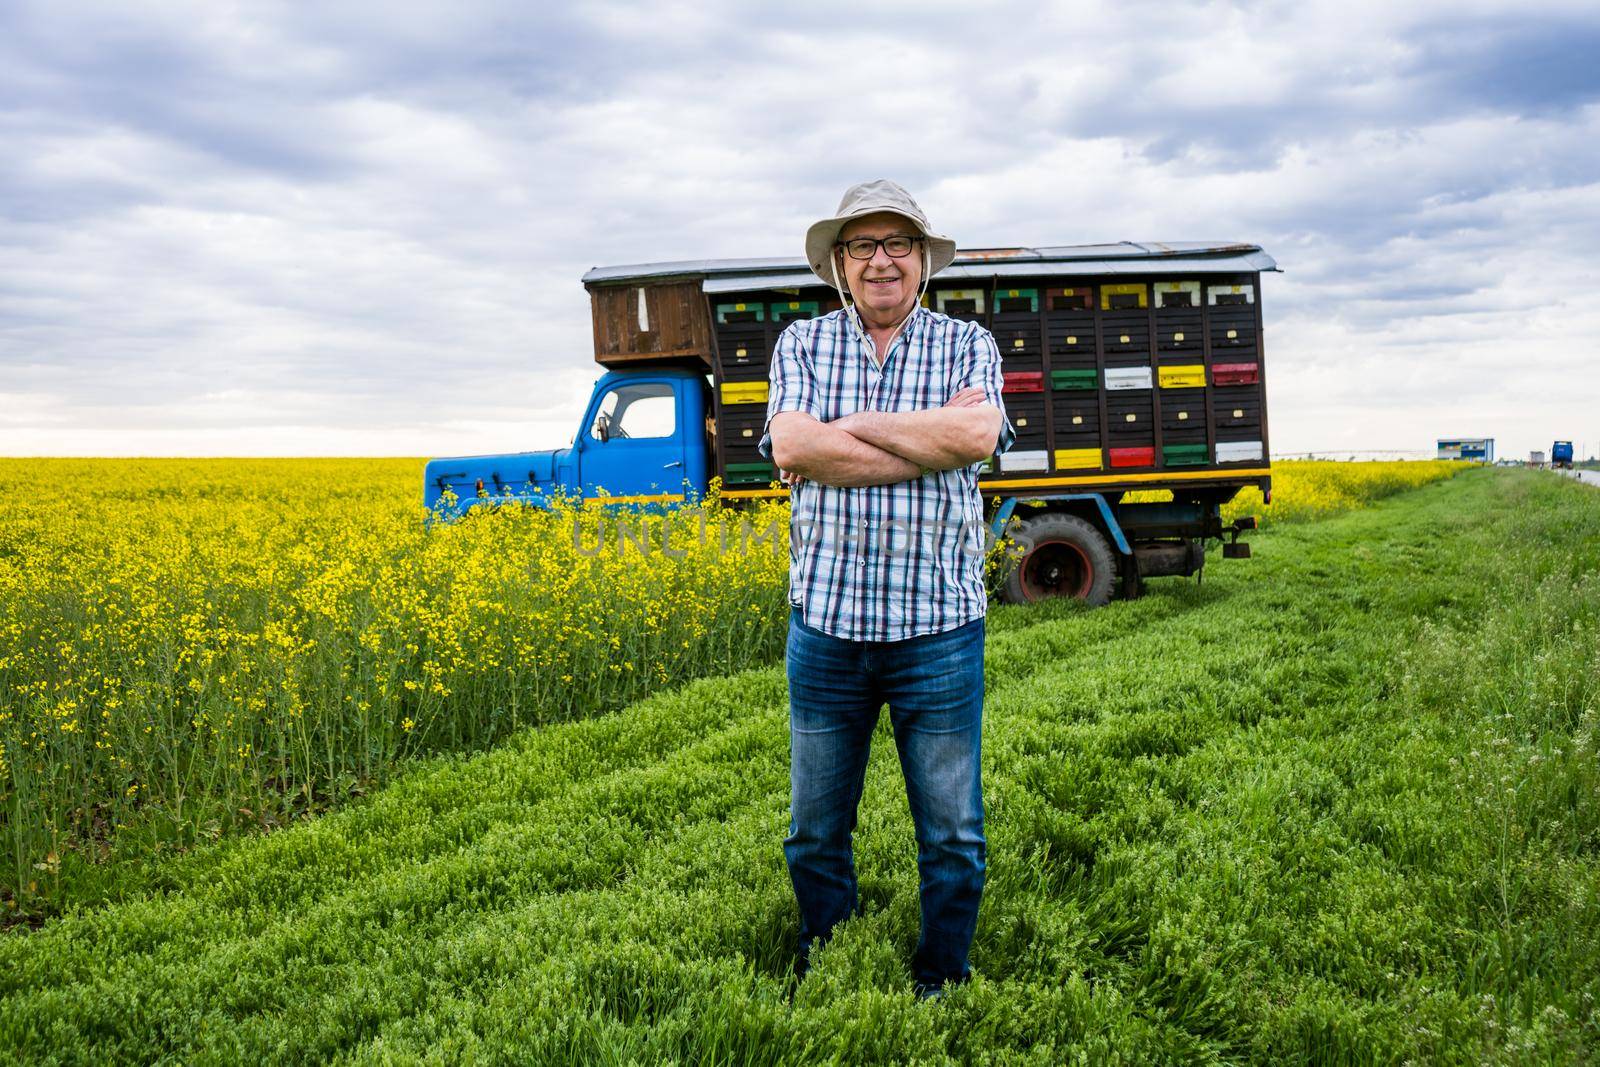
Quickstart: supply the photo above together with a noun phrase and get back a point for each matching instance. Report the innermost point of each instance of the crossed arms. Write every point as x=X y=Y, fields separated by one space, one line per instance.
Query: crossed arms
x=882 y=447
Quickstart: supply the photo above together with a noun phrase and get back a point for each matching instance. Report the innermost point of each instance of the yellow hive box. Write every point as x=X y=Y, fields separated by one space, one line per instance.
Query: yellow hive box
x=1077 y=459
x=1123 y=289
x=1189 y=376
x=744 y=392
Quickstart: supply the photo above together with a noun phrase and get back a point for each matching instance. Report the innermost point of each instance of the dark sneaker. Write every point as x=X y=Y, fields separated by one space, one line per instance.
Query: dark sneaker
x=935 y=989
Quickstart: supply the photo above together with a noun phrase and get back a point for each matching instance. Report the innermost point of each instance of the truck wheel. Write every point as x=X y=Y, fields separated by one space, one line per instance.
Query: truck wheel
x=1059 y=555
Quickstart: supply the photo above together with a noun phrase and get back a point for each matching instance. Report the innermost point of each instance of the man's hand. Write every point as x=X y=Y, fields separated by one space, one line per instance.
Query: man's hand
x=804 y=448
x=964 y=431
x=881 y=448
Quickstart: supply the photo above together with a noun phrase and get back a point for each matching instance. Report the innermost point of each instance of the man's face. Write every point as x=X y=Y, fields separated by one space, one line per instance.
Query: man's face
x=883 y=287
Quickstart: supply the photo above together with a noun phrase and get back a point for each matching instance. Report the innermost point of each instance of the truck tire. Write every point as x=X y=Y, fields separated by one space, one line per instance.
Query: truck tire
x=1059 y=555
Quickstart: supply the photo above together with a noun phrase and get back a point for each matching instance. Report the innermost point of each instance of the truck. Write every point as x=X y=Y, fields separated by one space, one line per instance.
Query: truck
x=1561 y=455
x=1134 y=378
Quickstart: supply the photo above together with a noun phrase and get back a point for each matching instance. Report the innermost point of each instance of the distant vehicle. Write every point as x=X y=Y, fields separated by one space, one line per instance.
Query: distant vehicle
x=1535 y=458
x=1561 y=455
x=1126 y=367
x=1472 y=449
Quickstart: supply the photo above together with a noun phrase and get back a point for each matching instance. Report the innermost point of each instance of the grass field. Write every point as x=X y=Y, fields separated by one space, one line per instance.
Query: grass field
x=1339 y=804
x=195 y=648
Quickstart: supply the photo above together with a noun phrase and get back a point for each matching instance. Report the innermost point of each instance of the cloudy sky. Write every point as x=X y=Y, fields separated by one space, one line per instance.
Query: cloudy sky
x=358 y=229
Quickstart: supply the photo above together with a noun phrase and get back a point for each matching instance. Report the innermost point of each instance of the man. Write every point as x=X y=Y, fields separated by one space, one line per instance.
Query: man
x=879 y=418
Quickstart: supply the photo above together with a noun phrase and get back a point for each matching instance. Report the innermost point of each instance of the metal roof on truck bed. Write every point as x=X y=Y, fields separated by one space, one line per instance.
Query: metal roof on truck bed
x=1127 y=257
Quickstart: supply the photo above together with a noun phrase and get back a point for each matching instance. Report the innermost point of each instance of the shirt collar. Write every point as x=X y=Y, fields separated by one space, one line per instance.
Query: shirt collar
x=919 y=315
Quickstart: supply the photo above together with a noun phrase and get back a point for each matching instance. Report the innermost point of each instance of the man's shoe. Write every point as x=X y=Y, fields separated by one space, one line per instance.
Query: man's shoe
x=936 y=988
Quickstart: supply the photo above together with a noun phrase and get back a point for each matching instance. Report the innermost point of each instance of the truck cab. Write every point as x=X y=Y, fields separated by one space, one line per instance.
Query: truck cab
x=643 y=438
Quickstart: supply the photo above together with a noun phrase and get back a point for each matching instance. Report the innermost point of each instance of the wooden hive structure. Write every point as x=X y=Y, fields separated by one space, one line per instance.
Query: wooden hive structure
x=1128 y=365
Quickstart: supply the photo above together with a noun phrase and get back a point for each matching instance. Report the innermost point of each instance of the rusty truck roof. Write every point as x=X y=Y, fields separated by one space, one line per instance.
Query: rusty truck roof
x=1125 y=257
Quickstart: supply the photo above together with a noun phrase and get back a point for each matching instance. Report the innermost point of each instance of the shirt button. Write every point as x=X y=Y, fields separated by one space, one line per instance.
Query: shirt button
x=862 y=562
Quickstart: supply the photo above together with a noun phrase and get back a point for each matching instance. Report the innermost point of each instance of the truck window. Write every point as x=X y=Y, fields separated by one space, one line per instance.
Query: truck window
x=636 y=411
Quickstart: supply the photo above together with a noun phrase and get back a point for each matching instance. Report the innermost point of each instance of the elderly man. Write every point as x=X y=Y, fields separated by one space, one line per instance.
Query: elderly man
x=879 y=418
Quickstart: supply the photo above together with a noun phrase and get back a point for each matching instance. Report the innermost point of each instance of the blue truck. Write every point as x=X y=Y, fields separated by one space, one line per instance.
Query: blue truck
x=1561 y=455
x=1127 y=368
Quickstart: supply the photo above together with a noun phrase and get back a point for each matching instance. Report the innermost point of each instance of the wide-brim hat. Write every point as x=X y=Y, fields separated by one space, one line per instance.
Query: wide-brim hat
x=869 y=198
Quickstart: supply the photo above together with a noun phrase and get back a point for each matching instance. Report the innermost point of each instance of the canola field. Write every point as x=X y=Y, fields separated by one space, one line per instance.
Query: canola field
x=1340 y=804
x=1311 y=489
x=191 y=648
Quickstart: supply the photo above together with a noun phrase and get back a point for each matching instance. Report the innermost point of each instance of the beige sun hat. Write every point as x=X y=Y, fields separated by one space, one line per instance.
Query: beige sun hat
x=868 y=198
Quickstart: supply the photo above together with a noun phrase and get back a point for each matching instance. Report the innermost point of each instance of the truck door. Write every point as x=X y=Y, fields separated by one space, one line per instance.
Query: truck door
x=633 y=440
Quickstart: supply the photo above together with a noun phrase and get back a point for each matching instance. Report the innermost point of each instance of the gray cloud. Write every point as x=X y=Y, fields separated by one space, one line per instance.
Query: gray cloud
x=360 y=228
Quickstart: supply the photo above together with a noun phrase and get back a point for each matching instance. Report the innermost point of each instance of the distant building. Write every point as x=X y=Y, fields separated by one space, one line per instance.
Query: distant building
x=1476 y=449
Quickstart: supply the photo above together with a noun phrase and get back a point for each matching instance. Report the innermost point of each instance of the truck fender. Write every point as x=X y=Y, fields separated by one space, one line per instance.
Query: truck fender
x=1108 y=521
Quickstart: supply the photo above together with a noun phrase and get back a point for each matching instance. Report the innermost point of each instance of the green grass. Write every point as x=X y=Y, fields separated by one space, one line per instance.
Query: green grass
x=1338 y=804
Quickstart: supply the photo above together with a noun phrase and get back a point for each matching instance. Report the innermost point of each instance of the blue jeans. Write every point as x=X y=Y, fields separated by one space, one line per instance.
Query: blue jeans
x=934 y=687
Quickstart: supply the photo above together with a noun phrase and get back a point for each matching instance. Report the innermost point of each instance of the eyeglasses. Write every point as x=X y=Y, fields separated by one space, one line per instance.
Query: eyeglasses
x=897 y=246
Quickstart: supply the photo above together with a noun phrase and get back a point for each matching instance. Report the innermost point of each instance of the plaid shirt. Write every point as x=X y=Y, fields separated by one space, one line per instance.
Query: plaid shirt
x=885 y=562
